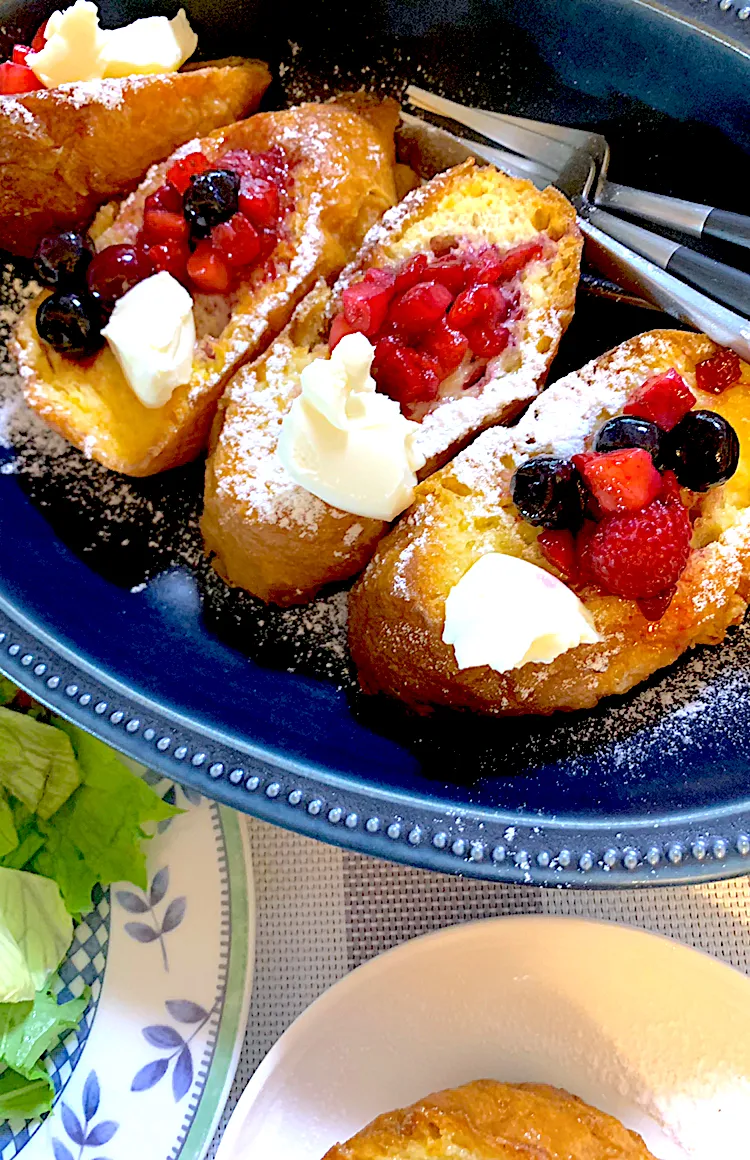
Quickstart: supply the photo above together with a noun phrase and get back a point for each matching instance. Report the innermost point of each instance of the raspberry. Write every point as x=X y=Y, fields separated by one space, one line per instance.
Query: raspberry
x=664 y=399
x=620 y=481
x=641 y=554
x=559 y=548
x=718 y=372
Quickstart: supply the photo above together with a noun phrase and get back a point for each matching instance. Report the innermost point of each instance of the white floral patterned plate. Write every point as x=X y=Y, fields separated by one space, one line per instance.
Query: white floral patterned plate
x=147 y=1073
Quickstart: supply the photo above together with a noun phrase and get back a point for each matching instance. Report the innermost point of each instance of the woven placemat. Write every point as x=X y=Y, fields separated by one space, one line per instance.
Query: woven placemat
x=322 y=911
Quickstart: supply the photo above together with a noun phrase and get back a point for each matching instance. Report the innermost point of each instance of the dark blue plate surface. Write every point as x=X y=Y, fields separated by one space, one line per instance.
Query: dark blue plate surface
x=109 y=613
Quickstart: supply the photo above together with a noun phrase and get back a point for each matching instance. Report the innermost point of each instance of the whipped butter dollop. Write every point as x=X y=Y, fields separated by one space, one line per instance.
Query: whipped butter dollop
x=346 y=443
x=505 y=612
x=77 y=49
x=151 y=332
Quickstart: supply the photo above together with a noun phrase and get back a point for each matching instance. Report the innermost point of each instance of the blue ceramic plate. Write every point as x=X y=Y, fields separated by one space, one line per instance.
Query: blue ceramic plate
x=109 y=613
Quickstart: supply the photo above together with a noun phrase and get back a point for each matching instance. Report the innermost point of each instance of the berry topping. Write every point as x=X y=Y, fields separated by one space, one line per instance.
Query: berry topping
x=516 y=259
x=654 y=607
x=451 y=273
x=339 y=327
x=40 y=38
x=20 y=53
x=237 y=240
x=18 y=78
x=638 y=555
x=365 y=306
x=549 y=493
x=620 y=481
x=386 y=279
x=703 y=450
x=171 y=257
x=208 y=269
x=718 y=372
x=446 y=346
x=165 y=197
x=115 y=270
x=487 y=339
x=481 y=303
x=403 y=373
x=63 y=259
x=259 y=200
x=629 y=431
x=560 y=549
x=180 y=172
x=664 y=399
x=70 y=323
x=418 y=309
x=209 y=199
x=411 y=272
x=161 y=225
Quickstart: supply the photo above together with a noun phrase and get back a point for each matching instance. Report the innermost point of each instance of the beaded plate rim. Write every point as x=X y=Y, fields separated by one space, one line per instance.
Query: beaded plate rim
x=704 y=846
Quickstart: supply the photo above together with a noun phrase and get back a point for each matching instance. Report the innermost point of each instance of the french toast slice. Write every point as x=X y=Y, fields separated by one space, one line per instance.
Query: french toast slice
x=272 y=537
x=64 y=151
x=342 y=169
x=397 y=608
x=488 y=1120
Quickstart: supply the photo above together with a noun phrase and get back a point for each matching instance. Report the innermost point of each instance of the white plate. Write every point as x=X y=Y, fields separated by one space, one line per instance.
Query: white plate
x=170 y=971
x=644 y=1028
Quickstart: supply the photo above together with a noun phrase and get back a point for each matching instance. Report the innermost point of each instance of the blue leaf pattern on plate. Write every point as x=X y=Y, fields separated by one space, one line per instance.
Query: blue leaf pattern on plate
x=174 y=915
x=149 y=1075
x=72 y=1125
x=91 y=1097
x=61 y=1152
x=182 y=1076
x=159 y=886
x=153 y=931
x=131 y=902
x=141 y=933
x=185 y=1011
x=191 y=795
x=162 y=1036
x=101 y=1133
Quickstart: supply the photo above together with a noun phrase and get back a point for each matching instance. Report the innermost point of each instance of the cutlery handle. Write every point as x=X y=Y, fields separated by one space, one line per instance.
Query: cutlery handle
x=730 y=286
x=637 y=273
x=689 y=217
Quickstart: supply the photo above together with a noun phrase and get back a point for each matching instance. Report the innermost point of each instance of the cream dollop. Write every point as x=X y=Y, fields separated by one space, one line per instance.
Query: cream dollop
x=77 y=49
x=152 y=335
x=505 y=612
x=344 y=442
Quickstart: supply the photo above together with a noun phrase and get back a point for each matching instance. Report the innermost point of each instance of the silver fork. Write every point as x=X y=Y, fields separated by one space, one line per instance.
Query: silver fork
x=521 y=135
x=428 y=149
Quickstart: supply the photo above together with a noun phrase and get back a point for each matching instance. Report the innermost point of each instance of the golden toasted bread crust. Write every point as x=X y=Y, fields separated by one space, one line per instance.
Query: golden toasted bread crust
x=487 y=1120
x=343 y=180
x=275 y=539
x=64 y=151
x=397 y=608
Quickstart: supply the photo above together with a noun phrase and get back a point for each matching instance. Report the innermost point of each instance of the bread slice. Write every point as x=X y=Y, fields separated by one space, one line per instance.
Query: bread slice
x=397 y=609
x=343 y=180
x=274 y=538
x=487 y=1120
x=64 y=151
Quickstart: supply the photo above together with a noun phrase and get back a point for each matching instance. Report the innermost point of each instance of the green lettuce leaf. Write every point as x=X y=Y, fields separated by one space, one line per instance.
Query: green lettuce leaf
x=35 y=933
x=29 y=1029
x=23 y=1097
x=8 y=832
x=7 y=690
x=37 y=763
x=96 y=836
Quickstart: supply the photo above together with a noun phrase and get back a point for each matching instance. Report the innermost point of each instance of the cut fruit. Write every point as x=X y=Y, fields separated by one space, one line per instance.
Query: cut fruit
x=718 y=372
x=165 y=197
x=620 y=481
x=259 y=200
x=115 y=270
x=339 y=328
x=664 y=399
x=172 y=258
x=17 y=78
x=418 y=309
x=237 y=240
x=160 y=225
x=560 y=550
x=366 y=306
x=403 y=373
x=208 y=270
x=412 y=272
x=482 y=303
x=654 y=607
x=186 y=167
x=486 y=340
x=446 y=345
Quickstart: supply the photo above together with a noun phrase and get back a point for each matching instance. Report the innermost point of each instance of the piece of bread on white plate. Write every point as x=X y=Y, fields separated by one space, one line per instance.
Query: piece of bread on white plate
x=271 y=536
x=397 y=610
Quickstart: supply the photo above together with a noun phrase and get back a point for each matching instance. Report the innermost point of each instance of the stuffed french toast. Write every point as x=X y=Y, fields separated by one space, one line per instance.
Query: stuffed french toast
x=195 y=273
x=85 y=111
x=446 y=322
x=570 y=558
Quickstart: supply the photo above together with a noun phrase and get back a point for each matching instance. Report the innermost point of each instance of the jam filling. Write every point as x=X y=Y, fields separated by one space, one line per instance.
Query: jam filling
x=212 y=227
x=619 y=516
x=437 y=319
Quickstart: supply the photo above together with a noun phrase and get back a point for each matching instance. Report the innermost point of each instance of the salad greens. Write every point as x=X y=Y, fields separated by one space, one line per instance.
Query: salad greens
x=72 y=816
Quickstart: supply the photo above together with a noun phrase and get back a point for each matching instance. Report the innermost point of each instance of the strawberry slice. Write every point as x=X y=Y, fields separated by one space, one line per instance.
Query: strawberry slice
x=339 y=328
x=208 y=270
x=620 y=481
x=560 y=549
x=160 y=225
x=718 y=372
x=40 y=38
x=365 y=306
x=18 y=78
x=20 y=53
x=664 y=399
x=180 y=172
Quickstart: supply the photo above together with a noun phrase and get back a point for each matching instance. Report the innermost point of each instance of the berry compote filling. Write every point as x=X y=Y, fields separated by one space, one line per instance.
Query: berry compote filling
x=617 y=517
x=437 y=319
x=213 y=227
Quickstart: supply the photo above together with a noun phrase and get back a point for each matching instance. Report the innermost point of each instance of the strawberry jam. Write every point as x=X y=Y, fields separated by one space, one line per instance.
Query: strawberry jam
x=438 y=318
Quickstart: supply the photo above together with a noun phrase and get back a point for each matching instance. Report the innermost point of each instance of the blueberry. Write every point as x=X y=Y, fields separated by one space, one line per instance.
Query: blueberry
x=629 y=431
x=62 y=259
x=211 y=198
x=549 y=493
x=702 y=450
x=70 y=322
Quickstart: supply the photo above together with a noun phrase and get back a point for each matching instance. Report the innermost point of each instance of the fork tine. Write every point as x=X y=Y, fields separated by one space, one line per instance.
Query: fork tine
x=539 y=147
x=511 y=163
